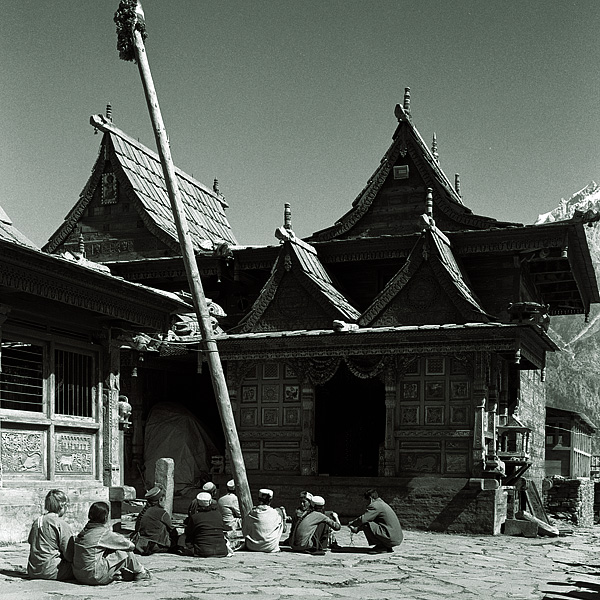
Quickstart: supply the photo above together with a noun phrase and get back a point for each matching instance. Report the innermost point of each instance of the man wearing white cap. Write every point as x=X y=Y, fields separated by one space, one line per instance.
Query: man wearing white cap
x=229 y=505
x=209 y=488
x=204 y=530
x=312 y=531
x=263 y=526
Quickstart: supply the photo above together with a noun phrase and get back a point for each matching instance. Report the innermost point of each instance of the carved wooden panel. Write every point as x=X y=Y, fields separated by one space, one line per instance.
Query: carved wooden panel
x=74 y=454
x=24 y=453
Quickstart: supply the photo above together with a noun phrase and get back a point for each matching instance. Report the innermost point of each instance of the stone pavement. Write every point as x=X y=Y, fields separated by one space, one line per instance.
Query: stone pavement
x=426 y=566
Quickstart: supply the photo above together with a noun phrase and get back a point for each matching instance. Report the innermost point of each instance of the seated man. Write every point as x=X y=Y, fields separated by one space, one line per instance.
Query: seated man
x=379 y=523
x=100 y=555
x=229 y=505
x=204 y=530
x=154 y=531
x=313 y=530
x=264 y=525
x=210 y=488
x=304 y=507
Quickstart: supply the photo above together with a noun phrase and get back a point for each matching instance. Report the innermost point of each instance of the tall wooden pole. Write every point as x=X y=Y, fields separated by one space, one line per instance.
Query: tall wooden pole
x=193 y=276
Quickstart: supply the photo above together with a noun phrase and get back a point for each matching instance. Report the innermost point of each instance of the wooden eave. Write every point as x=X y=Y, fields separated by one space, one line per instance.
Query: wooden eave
x=139 y=173
x=310 y=273
x=407 y=140
x=436 y=246
x=504 y=338
x=58 y=279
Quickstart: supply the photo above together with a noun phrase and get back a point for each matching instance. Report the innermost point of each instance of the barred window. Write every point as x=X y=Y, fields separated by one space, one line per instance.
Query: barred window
x=74 y=382
x=21 y=379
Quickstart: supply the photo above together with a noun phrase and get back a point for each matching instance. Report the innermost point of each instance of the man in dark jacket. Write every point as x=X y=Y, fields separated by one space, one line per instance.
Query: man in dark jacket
x=154 y=531
x=379 y=523
x=204 y=532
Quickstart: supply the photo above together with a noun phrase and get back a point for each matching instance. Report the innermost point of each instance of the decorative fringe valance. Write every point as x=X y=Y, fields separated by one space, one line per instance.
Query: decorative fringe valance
x=321 y=370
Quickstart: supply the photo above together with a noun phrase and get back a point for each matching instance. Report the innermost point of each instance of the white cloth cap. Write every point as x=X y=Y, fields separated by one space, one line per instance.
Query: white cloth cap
x=318 y=500
x=204 y=499
x=306 y=495
x=265 y=493
x=209 y=487
x=231 y=484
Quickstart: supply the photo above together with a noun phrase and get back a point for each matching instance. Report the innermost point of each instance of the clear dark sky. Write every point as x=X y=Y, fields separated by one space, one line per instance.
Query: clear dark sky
x=293 y=101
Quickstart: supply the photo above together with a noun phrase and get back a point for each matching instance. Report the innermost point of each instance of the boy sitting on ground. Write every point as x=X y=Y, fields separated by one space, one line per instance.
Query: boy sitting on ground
x=51 y=541
x=100 y=555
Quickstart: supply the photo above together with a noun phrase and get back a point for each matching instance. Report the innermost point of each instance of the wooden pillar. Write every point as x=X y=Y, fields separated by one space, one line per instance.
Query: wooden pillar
x=389 y=449
x=4 y=310
x=308 y=450
x=137 y=426
x=479 y=400
x=110 y=425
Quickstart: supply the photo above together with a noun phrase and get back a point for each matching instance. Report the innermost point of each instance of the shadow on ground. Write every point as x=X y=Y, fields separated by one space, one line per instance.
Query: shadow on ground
x=586 y=589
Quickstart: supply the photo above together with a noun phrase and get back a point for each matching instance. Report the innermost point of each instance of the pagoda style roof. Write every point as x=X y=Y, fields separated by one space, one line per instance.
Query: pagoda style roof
x=430 y=262
x=299 y=292
x=389 y=203
x=139 y=173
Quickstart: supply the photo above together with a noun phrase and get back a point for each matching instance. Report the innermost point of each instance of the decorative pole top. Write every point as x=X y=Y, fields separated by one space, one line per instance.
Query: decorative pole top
x=407 y=100
x=434 y=148
x=287 y=216
x=429 y=202
x=81 y=244
x=216 y=186
x=109 y=112
x=457 y=183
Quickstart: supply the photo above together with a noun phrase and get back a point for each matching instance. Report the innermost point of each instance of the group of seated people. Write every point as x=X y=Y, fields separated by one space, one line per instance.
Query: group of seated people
x=213 y=528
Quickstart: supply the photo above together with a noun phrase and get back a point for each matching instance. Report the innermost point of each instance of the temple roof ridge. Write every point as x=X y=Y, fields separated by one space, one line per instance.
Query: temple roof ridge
x=139 y=173
x=296 y=254
x=433 y=247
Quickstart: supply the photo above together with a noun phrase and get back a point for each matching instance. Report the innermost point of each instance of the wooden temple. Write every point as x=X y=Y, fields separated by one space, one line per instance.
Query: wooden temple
x=403 y=347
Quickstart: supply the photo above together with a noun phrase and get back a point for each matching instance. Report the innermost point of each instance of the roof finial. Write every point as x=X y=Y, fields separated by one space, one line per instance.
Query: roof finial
x=81 y=244
x=457 y=183
x=216 y=186
x=287 y=216
x=434 y=150
x=407 y=100
x=109 y=112
x=429 y=202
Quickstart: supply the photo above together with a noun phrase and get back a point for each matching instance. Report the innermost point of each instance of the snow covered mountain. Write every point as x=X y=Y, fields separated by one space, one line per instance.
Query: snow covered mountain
x=586 y=199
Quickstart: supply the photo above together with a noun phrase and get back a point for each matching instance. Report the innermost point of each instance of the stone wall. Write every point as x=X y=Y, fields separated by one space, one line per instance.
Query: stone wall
x=19 y=507
x=570 y=500
x=532 y=413
x=457 y=505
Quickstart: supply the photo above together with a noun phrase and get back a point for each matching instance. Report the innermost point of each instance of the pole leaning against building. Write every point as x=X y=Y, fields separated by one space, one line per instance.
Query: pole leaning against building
x=131 y=32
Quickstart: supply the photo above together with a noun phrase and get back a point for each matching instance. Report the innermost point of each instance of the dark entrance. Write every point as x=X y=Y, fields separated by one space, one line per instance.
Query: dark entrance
x=350 y=424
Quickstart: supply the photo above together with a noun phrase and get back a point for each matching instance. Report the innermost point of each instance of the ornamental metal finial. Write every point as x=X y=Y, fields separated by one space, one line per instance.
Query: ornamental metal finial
x=457 y=183
x=287 y=216
x=429 y=202
x=216 y=186
x=407 y=100
x=109 y=112
x=434 y=148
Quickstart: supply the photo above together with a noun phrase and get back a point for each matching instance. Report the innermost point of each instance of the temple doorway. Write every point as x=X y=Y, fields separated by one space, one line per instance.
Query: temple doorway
x=349 y=424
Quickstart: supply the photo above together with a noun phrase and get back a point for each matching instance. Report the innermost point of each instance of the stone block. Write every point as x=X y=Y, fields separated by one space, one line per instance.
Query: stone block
x=519 y=527
x=119 y=493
